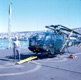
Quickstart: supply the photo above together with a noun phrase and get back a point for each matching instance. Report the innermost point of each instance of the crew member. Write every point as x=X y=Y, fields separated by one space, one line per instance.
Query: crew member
x=16 y=48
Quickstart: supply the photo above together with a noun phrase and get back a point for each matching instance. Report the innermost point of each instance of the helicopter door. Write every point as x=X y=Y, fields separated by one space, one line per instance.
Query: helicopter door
x=59 y=41
x=50 y=44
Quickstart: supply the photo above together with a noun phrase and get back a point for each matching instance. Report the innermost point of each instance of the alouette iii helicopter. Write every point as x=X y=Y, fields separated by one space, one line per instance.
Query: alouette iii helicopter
x=52 y=42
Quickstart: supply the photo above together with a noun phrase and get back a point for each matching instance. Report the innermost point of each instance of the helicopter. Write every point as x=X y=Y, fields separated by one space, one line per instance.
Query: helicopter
x=53 y=42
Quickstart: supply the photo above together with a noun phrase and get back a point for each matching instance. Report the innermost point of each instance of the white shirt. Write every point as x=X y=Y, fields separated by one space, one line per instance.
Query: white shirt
x=16 y=44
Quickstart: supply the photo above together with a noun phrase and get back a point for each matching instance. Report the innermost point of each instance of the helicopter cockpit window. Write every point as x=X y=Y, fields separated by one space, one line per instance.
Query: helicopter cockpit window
x=59 y=37
x=32 y=36
x=48 y=37
x=40 y=36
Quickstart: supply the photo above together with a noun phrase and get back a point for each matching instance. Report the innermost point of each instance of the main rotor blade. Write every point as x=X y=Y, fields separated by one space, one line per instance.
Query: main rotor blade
x=69 y=30
x=53 y=27
x=49 y=27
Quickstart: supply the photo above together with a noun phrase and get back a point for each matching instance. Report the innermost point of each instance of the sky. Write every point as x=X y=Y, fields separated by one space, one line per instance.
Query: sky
x=34 y=15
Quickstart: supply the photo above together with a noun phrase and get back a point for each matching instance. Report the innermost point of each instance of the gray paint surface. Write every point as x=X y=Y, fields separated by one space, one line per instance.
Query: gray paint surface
x=44 y=68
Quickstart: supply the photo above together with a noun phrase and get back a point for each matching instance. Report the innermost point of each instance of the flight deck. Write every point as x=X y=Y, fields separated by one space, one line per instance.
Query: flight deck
x=58 y=67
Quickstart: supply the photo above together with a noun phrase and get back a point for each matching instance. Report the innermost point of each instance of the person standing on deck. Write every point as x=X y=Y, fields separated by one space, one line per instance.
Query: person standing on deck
x=16 y=48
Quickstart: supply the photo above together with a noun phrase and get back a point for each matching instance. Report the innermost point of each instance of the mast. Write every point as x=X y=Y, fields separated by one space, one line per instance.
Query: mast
x=9 y=27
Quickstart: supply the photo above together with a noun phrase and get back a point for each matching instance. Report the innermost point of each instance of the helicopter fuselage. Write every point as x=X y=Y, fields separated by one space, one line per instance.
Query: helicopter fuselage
x=46 y=42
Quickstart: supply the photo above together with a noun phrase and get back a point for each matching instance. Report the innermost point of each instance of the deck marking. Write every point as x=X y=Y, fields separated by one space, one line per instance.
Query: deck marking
x=38 y=66
x=10 y=65
x=54 y=60
x=59 y=58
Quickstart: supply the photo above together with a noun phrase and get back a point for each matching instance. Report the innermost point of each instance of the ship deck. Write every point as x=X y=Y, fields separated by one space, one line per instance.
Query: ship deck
x=58 y=67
